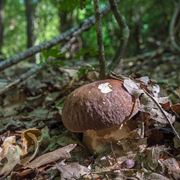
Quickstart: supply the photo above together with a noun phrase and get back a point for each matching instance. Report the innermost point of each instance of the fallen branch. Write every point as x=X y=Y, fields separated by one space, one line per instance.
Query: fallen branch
x=85 y=25
x=51 y=157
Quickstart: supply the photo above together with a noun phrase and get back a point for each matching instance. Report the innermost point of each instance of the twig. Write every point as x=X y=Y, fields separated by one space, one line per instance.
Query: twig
x=100 y=39
x=85 y=25
x=160 y=108
x=22 y=78
x=125 y=34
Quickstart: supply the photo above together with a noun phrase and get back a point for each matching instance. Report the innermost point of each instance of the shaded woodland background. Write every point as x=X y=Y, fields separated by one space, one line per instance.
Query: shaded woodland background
x=154 y=28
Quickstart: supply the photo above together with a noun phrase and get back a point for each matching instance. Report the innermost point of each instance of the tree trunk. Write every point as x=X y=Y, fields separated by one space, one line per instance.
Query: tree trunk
x=1 y=24
x=30 y=22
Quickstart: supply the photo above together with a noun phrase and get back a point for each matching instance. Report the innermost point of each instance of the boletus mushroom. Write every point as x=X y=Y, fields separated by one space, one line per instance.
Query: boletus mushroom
x=99 y=110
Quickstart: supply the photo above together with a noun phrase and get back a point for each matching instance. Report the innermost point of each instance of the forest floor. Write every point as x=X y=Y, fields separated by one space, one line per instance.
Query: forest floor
x=36 y=145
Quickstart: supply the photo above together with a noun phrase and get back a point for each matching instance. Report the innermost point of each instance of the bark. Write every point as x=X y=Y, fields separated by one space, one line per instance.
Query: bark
x=85 y=25
x=1 y=24
x=30 y=22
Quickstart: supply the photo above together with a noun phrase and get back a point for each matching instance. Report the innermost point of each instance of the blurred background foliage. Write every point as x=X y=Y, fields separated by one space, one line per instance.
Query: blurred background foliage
x=148 y=21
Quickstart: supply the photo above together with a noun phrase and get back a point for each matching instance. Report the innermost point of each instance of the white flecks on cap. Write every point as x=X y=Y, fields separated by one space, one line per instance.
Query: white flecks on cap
x=105 y=87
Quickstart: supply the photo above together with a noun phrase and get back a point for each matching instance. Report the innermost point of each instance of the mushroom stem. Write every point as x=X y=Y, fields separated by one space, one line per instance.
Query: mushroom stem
x=98 y=141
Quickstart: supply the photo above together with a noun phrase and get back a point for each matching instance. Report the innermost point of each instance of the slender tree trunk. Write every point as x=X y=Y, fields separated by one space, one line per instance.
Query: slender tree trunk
x=30 y=22
x=1 y=24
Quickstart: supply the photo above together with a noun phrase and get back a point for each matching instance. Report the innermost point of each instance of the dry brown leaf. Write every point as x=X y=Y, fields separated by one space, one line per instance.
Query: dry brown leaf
x=165 y=103
x=29 y=137
x=59 y=154
x=176 y=108
x=11 y=153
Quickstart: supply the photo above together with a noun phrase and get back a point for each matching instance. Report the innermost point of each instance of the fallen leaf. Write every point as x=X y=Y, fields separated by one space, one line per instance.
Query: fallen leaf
x=72 y=171
x=30 y=137
x=176 y=108
x=132 y=88
x=59 y=154
x=165 y=103
x=150 y=107
x=173 y=167
x=144 y=79
x=156 y=176
x=154 y=89
x=11 y=153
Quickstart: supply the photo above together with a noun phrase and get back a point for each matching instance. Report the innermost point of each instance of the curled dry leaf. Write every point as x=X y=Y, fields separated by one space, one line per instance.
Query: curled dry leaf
x=11 y=153
x=30 y=137
x=59 y=154
x=72 y=171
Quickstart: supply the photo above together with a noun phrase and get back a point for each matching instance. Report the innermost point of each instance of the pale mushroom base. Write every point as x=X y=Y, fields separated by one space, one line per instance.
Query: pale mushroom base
x=99 y=141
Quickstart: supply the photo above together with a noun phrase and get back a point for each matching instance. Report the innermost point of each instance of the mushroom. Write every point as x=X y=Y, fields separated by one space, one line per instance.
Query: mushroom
x=100 y=111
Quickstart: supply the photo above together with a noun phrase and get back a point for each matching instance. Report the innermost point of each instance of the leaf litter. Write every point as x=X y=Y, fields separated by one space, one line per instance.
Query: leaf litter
x=35 y=144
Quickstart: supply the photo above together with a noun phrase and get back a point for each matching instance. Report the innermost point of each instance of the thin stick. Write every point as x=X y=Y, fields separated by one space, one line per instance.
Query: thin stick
x=100 y=39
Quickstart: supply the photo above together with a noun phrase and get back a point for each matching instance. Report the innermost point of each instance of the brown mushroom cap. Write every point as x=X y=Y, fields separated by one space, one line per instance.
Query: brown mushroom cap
x=98 y=105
